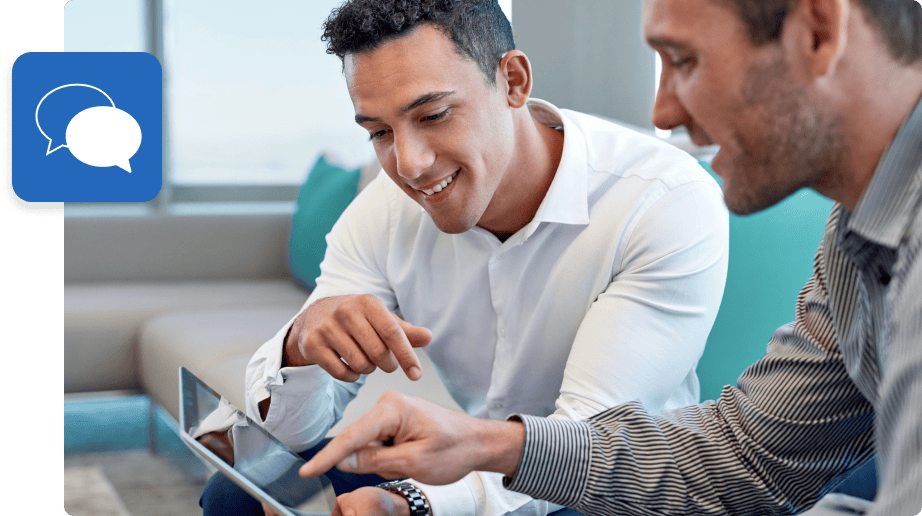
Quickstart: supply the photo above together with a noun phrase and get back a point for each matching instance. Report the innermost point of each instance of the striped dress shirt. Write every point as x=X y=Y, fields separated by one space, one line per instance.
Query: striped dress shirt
x=839 y=384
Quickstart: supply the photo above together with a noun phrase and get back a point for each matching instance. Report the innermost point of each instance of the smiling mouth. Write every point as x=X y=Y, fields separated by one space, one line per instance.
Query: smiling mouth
x=441 y=186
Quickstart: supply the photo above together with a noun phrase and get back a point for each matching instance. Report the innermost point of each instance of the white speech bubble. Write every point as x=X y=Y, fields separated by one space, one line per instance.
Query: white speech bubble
x=39 y=106
x=103 y=136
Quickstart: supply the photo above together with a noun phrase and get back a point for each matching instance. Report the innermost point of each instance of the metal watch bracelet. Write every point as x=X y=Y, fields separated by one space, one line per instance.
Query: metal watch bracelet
x=419 y=506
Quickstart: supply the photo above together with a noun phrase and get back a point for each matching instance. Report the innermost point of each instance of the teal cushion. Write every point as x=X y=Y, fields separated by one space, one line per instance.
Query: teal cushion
x=771 y=258
x=323 y=198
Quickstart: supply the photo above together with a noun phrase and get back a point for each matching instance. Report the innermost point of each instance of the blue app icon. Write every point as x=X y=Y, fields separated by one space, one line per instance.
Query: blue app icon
x=87 y=127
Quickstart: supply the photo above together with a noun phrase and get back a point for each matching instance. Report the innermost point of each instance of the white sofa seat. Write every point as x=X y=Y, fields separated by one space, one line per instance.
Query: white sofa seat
x=102 y=320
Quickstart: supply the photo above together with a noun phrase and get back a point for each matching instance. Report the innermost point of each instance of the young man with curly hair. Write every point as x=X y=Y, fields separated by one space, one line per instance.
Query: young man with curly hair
x=550 y=262
x=825 y=94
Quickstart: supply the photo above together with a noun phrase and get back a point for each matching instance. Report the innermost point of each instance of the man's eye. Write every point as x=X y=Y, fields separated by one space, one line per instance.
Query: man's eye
x=437 y=116
x=684 y=62
x=377 y=134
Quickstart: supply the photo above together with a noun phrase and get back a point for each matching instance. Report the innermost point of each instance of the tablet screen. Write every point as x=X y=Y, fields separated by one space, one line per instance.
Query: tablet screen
x=256 y=454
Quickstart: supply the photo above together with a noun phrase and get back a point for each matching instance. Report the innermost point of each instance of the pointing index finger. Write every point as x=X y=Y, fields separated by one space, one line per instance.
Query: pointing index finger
x=374 y=426
x=391 y=330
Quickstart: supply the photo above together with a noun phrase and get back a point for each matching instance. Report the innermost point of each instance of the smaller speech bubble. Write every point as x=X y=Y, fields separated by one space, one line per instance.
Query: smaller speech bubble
x=103 y=136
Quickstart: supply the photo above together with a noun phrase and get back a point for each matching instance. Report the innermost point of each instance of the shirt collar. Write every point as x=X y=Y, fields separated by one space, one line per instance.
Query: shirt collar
x=886 y=207
x=567 y=199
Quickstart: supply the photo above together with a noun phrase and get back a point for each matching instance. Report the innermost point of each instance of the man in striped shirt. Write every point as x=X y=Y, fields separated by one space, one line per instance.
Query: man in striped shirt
x=798 y=93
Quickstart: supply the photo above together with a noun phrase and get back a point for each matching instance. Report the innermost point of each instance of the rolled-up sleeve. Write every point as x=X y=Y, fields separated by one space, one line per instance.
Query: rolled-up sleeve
x=306 y=401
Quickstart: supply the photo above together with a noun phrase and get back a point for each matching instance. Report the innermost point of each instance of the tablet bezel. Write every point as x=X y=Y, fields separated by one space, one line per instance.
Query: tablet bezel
x=248 y=486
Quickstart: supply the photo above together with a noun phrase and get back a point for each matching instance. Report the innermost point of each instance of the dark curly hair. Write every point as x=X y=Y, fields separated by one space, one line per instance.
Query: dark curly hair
x=899 y=23
x=479 y=28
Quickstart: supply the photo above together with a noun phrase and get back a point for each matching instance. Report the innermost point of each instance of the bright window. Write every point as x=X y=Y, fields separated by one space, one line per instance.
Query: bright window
x=251 y=97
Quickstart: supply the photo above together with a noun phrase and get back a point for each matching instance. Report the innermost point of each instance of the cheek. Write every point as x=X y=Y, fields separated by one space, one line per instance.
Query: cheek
x=497 y=151
x=386 y=158
x=711 y=97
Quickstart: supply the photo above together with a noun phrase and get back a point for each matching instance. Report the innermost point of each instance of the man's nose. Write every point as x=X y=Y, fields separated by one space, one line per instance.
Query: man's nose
x=668 y=111
x=414 y=155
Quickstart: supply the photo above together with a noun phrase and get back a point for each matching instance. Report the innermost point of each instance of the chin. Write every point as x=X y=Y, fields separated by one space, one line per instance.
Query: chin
x=747 y=201
x=451 y=227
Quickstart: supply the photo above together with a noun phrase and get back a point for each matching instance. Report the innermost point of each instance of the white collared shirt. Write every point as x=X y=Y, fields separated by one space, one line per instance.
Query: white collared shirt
x=606 y=296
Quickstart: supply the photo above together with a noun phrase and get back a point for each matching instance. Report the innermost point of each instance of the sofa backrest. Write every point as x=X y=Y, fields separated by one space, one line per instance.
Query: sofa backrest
x=175 y=248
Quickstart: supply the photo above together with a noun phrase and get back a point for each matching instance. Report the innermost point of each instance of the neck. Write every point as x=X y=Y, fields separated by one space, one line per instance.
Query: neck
x=875 y=108
x=537 y=151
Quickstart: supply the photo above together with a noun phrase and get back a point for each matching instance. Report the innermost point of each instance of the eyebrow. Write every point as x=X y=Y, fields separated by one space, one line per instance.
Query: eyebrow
x=664 y=42
x=420 y=101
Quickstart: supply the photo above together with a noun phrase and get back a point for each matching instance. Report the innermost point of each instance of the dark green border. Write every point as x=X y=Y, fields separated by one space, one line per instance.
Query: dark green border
x=33 y=308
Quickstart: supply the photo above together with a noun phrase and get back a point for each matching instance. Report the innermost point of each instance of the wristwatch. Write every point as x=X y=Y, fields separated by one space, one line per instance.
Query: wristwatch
x=419 y=506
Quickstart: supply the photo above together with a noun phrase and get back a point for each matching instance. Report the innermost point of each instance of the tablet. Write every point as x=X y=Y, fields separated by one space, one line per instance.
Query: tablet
x=262 y=465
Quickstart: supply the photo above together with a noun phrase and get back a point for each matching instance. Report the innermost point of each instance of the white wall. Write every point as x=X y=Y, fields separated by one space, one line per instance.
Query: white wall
x=588 y=55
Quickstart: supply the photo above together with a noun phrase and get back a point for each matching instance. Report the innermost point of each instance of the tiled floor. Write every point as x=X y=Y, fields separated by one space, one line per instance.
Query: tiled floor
x=148 y=485
x=87 y=492
x=111 y=431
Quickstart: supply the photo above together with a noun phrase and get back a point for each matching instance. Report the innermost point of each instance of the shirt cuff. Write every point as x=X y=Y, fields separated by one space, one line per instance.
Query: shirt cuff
x=220 y=420
x=263 y=370
x=555 y=459
x=451 y=500
x=294 y=382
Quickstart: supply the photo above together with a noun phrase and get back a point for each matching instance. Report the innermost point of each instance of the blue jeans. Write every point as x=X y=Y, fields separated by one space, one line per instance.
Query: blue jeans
x=222 y=497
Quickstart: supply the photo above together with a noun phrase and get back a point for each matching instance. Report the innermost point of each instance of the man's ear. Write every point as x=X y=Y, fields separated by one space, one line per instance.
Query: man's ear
x=818 y=30
x=514 y=74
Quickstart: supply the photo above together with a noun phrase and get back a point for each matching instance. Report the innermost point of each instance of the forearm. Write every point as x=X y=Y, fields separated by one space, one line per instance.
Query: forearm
x=768 y=453
x=640 y=464
x=494 y=448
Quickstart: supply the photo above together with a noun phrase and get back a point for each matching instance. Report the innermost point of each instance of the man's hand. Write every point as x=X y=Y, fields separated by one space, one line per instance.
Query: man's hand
x=366 y=501
x=219 y=443
x=431 y=444
x=371 y=501
x=358 y=330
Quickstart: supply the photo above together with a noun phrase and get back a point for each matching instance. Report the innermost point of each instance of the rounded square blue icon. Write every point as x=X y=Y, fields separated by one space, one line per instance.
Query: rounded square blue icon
x=87 y=127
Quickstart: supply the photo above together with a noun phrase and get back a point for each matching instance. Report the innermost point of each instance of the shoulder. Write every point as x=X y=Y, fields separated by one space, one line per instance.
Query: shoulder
x=623 y=152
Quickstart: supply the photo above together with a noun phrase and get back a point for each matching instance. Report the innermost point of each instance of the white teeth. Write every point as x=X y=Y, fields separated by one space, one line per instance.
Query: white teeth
x=439 y=187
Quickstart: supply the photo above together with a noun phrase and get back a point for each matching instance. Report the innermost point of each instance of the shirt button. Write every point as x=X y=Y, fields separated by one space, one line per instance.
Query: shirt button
x=502 y=331
x=497 y=406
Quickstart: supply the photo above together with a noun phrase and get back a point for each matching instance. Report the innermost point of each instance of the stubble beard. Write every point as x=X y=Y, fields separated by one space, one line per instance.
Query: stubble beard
x=797 y=145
